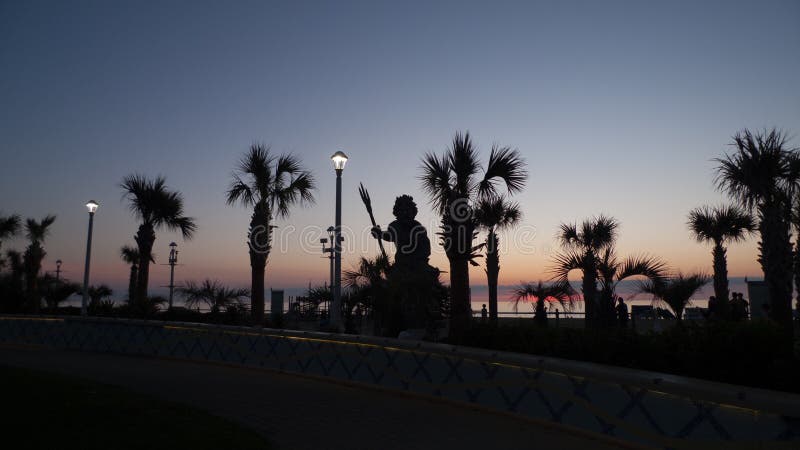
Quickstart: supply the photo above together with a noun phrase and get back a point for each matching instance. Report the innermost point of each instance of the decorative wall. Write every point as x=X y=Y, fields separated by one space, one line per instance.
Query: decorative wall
x=634 y=406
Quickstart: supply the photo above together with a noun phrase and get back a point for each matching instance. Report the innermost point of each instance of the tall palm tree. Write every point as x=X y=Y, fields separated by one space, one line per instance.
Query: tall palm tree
x=271 y=186
x=494 y=214
x=675 y=292
x=212 y=293
x=9 y=227
x=156 y=207
x=453 y=184
x=559 y=291
x=582 y=245
x=612 y=270
x=720 y=225
x=130 y=255
x=761 y=175
x=35 y=232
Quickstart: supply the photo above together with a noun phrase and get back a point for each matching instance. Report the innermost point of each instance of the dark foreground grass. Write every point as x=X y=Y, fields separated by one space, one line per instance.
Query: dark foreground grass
x=50 y=411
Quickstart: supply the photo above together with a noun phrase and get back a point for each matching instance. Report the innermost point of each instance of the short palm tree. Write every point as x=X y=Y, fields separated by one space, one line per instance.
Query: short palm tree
x=720 y=225
x=98 y=293
x=56 y=291
x=270 y=186
x=612 y=270
x=35 y=232
x=156 y=207
x=454 y=185
x=761 y=175
x=9 y=227
x=541 y=293
x=676 y=292
x=495 y=214
x=213 y=294
x=582 y=245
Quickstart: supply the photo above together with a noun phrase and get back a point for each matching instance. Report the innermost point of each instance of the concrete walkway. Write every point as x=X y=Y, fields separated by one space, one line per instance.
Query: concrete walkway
x=302 y=413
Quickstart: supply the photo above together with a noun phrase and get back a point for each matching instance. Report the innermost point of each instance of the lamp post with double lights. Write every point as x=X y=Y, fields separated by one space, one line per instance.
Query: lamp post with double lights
x=329 y=251
x=92 y=207
x=339 y=160
x=173 y=260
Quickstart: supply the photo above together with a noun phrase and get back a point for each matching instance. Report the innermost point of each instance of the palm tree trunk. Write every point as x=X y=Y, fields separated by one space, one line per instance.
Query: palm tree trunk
x=460 y=309
x=259 y=240
x=776 y=262
x=797 y=262
x=721 y=279
x=258 y=268
x=540 y=315
x=132 y=283
x=32 y=261
x=492 y=273
x=589 y=288
x=145 y=238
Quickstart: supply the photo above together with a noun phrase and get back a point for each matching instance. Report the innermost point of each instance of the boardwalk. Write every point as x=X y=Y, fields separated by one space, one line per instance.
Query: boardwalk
x=301 y=413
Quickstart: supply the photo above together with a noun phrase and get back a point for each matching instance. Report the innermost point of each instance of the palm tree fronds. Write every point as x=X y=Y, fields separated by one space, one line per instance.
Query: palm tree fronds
x=504 y=165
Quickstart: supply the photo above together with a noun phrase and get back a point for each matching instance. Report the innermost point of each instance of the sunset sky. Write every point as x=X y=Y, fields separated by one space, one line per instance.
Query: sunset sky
x=617 y=107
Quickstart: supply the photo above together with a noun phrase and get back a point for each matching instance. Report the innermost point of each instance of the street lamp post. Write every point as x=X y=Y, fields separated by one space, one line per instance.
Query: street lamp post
x=339 y=160
x=173 y=260
x=92 y=207
x=58 y=270
x=329 y=250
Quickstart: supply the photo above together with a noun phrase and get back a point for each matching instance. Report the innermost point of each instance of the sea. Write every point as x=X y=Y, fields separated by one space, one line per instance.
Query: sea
x=627 y=289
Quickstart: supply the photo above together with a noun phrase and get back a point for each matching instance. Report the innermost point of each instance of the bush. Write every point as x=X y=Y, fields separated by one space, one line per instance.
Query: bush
x=753 y=354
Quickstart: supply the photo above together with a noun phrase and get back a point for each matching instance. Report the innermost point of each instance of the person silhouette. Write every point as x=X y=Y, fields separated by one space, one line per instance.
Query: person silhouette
x=622 y=312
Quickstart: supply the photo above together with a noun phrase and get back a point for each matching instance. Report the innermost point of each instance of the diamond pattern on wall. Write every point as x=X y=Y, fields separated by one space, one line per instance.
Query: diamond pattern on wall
x=615 y=409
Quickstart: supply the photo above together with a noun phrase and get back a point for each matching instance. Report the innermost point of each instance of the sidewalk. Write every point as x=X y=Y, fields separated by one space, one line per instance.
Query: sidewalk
x=301 y=413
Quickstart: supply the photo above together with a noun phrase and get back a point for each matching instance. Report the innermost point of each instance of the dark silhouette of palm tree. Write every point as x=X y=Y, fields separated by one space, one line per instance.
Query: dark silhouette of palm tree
x=98 y=293
x=35 y=232
x=56 y=291
x=12 y=290
x=495 y=214
x=156 y=207
x=453 y=184
x=130 y=255
x=271 y=186
x=559 y=291
x=582 y=245
x=720 y=225
x=675 y=292
x=612 y=270
x=762 y=175
x=9 y=227
x=213 y=294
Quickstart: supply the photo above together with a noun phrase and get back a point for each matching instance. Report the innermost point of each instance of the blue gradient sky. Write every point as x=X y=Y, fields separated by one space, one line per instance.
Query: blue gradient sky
x=618 y=108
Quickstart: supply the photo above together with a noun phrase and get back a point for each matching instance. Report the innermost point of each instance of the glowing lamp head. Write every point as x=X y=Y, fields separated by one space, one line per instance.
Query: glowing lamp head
x=339 y=160
x=92 y=206
x=172 y=245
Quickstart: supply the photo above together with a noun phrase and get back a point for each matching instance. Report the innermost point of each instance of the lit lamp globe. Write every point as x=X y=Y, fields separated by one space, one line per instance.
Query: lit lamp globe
x=92 y=206
x=339 y=160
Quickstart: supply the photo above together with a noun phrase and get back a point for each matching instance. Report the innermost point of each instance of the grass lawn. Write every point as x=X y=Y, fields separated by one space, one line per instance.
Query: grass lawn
x=51 y=411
